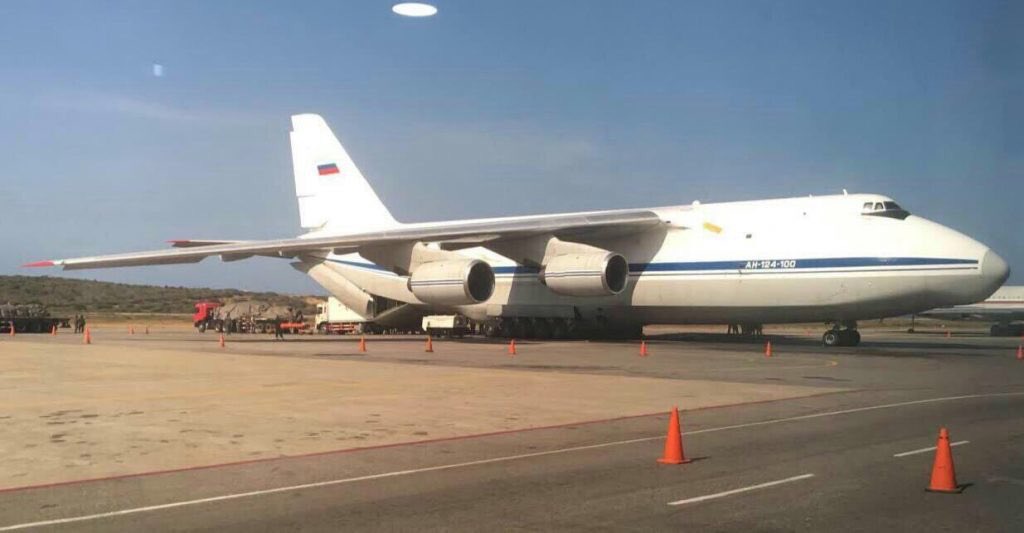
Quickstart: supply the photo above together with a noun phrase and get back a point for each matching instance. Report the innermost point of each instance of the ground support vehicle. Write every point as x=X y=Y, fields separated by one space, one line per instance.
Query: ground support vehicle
x=333 y=317
x=447 y=325
x=29 y=319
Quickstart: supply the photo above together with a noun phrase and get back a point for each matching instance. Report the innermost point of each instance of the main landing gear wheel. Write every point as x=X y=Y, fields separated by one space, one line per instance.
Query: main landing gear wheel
x=853 y=337
x=541 y=329
x=490 y=329
x=830 y=338
x=1006 y=330
x=841 y=337
x=558 y=329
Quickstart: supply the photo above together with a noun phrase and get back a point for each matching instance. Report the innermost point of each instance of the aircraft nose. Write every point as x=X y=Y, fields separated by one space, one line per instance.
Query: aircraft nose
x=994 y=270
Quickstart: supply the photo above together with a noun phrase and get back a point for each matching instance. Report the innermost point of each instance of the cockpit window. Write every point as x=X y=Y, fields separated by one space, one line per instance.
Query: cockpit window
x=884 y=209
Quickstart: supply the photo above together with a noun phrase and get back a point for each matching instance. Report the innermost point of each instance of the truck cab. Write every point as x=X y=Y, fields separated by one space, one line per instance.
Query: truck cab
x=204 y=314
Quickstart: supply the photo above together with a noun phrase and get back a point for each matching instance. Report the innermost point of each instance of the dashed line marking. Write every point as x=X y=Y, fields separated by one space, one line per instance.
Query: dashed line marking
x=398 y=473
x=932 y=448
x=741 y=490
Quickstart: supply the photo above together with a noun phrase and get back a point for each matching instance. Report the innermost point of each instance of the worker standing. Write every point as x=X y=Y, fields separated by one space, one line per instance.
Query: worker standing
x=278 y=331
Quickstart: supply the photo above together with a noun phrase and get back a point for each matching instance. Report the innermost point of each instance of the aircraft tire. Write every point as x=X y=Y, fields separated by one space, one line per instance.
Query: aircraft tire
x=831 y=338
x=542 y=328
x=489 y=329
x=528 y=329
x=518 y=329
x=505 y=329
x=849 y=337
x=1007 y=330
x=558 y=329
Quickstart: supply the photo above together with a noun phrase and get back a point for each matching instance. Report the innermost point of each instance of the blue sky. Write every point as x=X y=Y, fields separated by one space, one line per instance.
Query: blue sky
x=494 y=108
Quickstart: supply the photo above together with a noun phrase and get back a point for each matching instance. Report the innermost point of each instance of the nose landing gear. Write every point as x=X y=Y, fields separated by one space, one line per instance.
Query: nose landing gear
x=841 y=335
x=1006 y=330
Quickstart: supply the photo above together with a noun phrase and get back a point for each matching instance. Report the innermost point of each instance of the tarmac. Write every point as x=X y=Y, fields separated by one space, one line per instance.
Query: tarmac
x=169 y=431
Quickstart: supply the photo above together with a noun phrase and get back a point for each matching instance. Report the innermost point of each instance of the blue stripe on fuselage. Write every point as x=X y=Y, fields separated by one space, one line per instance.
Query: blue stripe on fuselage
x=748 y=266
x=828 y=262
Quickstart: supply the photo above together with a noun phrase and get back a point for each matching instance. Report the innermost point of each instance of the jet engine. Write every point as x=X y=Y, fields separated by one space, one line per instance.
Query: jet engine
x=595 y=274
x=455 y=282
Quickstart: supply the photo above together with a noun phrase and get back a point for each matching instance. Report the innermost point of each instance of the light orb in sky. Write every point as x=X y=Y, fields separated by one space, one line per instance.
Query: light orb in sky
x=158 y=70
x=414 y=9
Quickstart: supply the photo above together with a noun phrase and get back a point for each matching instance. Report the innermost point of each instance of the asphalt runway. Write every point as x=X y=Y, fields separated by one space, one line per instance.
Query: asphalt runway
x=854 y=457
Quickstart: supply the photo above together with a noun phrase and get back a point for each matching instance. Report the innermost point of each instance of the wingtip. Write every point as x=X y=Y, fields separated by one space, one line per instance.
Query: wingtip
x=37 y=264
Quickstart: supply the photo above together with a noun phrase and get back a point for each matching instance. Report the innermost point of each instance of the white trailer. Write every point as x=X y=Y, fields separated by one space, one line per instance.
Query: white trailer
x=446 y=325
x=332 y=316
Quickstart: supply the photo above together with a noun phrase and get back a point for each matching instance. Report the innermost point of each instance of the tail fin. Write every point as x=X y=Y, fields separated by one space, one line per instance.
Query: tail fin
x=332 y=193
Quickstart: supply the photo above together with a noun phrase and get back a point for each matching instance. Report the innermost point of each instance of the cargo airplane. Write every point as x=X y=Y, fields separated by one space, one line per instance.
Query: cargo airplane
x=1005 y=307
x=831 y=259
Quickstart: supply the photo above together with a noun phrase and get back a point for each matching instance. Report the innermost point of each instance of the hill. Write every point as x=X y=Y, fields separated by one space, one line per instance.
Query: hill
x=65 y=295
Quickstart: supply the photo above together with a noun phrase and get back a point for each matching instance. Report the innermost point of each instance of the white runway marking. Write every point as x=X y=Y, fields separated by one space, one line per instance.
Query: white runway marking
x=743 y=489
x=922 y=450
x=319 y=484
x=1010 y=480
x=185 y=503
x=855 y=410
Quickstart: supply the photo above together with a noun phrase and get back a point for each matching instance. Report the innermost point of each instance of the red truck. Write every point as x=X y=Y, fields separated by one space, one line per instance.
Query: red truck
x=246 y=316
x=205 y=316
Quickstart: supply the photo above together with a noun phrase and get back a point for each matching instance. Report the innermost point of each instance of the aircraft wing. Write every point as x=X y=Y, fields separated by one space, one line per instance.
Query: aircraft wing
x=568 y=226
x=192 y=243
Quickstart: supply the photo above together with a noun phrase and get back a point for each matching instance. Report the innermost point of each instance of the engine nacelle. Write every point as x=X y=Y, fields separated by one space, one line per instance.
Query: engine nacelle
x=456 y=282
x=597 y=274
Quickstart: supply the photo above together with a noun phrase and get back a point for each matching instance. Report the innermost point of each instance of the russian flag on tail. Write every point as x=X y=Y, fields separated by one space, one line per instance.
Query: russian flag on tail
x=329 y=168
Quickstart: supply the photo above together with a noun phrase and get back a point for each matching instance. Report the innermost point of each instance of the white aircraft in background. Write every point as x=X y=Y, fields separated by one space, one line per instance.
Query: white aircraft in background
x=834 y=259
x=1004 y=307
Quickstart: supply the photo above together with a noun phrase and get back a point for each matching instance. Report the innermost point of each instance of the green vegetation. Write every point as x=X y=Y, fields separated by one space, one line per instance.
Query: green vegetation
x=66 y=296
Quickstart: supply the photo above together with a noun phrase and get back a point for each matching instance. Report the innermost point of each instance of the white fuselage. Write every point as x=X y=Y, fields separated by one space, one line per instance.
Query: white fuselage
x=1005 y=305
x=768 y=261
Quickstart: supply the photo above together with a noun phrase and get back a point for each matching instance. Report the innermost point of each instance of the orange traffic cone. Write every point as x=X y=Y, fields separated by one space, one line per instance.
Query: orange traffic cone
x=12 y=329
x=1020 y=352
x=53 y=330
x=674 y=442
x=86 y=337
x=221 y=341
x=643 y=349
x=430 y=345
x=362 y=344
x=943 y=475
x=768 y=349
x=512 y=348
